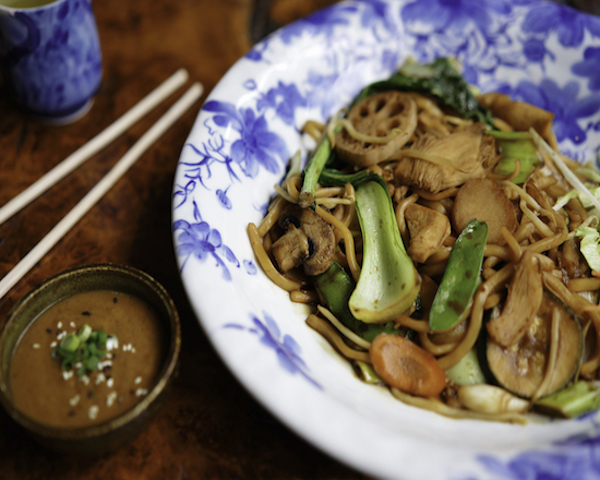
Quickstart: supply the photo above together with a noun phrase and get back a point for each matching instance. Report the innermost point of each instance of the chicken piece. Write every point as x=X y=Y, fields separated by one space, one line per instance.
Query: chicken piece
x=456 y=158
x=524 y=299
x=428 y=230
x=520 y=115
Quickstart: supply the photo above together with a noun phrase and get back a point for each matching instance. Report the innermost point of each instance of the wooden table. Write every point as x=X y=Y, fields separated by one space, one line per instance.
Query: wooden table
x=210 y=428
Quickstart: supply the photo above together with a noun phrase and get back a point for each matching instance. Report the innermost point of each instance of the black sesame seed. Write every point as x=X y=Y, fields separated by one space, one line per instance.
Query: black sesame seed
x=90 y=394
x=115 y=300
x=71 y=413
x=120 y=399
x=114 y=355
x=86 y=313
x=59 y=331
x=49 y=330
x=132 y=392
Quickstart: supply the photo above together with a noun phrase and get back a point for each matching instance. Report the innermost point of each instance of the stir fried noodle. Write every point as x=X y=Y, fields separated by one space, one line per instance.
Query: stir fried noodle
x=531 y=326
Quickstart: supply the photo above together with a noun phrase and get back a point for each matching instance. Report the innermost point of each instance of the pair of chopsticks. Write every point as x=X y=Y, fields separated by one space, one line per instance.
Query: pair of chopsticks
x=77 y=158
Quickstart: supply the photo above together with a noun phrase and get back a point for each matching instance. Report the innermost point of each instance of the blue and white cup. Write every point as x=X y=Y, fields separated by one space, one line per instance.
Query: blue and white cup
x=50 y=56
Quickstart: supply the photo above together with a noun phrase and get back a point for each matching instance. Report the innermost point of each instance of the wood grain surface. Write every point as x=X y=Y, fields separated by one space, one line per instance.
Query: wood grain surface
x=210 y=428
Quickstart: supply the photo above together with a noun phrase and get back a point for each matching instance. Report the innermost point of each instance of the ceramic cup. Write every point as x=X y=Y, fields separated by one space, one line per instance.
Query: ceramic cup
x=50 y=56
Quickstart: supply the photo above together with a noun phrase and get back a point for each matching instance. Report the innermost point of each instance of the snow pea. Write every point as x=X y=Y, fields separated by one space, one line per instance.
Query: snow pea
x=461 y=278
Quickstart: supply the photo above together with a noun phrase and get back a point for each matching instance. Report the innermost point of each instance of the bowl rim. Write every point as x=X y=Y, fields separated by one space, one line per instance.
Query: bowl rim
x=166 y=372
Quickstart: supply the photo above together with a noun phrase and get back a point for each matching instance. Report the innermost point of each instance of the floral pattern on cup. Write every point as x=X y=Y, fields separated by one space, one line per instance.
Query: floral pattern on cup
x=50 y=57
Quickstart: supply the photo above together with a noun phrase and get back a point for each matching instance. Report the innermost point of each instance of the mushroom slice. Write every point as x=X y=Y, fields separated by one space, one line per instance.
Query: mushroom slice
x=522 y=303
x=309 y=241
x=378 y=115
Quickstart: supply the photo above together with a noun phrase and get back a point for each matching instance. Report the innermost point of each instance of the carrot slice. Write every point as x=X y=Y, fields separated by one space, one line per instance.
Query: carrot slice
x=404 y=365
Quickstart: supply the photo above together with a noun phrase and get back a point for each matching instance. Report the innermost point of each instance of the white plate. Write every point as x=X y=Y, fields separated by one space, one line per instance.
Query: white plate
x=238 y=149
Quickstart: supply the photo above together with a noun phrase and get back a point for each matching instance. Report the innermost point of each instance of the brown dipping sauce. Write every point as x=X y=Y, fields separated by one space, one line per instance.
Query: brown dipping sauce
x=46 y=393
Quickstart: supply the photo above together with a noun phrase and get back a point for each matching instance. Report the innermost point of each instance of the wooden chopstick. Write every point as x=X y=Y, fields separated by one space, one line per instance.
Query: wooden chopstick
x=96 y=144
x=98 y=191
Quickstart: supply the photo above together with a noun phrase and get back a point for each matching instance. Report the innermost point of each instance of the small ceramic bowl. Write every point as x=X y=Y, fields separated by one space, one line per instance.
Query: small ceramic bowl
x=107 y=436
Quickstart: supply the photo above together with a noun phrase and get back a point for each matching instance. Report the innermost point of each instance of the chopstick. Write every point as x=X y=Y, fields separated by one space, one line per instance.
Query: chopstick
x=98 y=191
x=96 y=144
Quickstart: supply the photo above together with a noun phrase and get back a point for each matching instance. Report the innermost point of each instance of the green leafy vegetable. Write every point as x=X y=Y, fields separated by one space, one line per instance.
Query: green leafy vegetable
x=388 y=283
x=468 y=370
x=461 y=278
x=312 y=172
x=516 y=146
x=572 y=401
x=335 y=287
x=367 y=373
x=590 y=246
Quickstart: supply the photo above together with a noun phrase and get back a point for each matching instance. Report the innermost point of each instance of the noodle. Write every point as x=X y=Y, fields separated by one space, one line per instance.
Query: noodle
x=266 y=264
x=349 y=334
x=325 y=329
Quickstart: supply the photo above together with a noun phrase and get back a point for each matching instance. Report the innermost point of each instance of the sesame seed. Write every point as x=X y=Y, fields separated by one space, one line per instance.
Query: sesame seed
x=49 y=330
x=86 y=313
x=74 y=401
x=100 y=378
x=140 y=391
x=59 y=325
x=110 y=382
x=85 y=379
x=138 y=380
x=105 y=365
x=36 y=346
x=93 y=412
x=112 y=343
x=72 y=324
x=53 y=344
x=112 y=396
x=67 y=374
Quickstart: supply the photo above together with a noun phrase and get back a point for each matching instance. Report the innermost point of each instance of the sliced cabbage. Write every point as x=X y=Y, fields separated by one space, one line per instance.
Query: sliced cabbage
x=590 y=246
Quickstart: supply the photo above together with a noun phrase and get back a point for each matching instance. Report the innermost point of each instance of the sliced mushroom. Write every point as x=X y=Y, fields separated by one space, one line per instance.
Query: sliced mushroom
x=524 y=298
x=378 y=115
x=485 y=200
x=309 y=241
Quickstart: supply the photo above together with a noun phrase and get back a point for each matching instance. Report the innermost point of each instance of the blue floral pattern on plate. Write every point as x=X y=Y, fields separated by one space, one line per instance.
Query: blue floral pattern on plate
x=285 y=347
x=540 y=52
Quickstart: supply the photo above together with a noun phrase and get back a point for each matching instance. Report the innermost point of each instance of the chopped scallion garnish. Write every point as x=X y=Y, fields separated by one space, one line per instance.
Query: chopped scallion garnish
x=85 y=350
